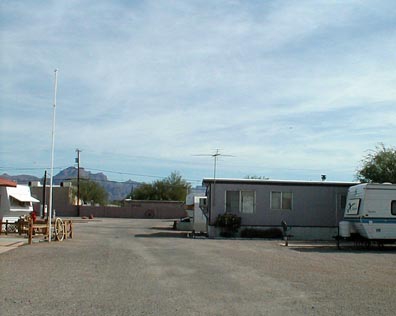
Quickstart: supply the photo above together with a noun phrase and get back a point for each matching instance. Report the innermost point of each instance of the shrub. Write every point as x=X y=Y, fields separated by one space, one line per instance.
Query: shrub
x=227 y=220
x=261 y=233
x=227 y=234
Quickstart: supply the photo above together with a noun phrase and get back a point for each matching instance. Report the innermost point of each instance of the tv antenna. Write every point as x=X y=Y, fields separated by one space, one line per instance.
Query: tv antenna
x=215 y=156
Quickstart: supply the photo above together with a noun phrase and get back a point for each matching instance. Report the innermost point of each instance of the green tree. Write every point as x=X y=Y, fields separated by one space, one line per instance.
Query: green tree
x=91 y=191
x=143 y=192
x=378 y=166
x=172 y=188
x=177 y=186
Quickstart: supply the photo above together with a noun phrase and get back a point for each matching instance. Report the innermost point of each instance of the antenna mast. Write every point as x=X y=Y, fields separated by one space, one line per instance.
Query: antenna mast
x=215 y=157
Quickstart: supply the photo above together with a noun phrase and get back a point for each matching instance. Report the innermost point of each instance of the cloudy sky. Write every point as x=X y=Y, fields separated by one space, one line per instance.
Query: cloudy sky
x=290 y=89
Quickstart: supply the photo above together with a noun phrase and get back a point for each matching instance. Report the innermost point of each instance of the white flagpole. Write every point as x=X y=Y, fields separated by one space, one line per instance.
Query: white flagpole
x=52 y=155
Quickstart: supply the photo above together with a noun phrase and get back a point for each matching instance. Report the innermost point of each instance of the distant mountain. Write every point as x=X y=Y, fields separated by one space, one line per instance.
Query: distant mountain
x=71 y=173
x=20 y=179
x=116 y=190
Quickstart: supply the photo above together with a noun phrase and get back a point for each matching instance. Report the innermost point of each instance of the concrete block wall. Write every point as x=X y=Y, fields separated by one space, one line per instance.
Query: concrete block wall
x=138 y=209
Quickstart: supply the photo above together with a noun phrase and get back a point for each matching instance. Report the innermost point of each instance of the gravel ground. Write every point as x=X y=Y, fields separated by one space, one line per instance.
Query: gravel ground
x=141 y=267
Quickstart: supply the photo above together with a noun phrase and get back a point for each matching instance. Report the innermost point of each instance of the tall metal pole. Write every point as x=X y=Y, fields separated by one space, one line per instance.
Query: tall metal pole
x=52 y=155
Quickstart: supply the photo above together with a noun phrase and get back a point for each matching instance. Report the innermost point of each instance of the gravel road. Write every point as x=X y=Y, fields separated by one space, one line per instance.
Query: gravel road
x=141 y=267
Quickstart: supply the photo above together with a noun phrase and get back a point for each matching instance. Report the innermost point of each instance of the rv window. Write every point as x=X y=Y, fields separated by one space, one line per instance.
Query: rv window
x=393 y=207
x=16 y=203
x=352 y=207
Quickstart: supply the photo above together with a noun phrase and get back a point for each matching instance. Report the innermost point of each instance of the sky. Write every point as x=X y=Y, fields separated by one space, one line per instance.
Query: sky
x=284 y=89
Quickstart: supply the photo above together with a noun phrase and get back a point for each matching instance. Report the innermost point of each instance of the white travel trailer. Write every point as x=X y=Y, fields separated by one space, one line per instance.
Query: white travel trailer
x=370 y=213
x=15 y=202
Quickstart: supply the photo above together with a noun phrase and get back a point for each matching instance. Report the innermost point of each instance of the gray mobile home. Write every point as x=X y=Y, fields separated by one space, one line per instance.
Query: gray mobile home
x=311 y=208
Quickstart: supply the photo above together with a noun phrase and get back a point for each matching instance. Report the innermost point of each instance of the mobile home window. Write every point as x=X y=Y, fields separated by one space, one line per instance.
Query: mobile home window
x=240 y=201
x=232 y=201
x=247 y=202
x=281 y=200
x=393 y=207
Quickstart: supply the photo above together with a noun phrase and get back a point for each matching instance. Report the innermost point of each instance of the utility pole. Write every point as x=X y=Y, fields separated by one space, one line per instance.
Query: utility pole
x=78 y=181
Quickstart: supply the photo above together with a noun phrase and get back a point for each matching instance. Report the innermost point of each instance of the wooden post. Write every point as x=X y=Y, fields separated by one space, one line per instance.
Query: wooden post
x=66 y=229
x=19 y=227
x=30 y=230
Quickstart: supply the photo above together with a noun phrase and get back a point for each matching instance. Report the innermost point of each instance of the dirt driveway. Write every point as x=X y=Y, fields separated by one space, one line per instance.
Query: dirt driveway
x=142 y=267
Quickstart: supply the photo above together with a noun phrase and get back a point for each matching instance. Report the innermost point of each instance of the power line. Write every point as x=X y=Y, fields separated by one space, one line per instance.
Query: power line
x=30 y=168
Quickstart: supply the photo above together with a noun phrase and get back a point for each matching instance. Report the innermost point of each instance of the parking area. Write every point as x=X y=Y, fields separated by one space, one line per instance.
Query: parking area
x=143 y=267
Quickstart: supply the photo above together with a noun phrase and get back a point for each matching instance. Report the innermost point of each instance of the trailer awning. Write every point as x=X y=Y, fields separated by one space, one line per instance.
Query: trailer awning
x=23 y=197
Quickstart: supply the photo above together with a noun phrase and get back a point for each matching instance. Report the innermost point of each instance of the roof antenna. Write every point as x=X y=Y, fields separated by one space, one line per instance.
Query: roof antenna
x=215 y=157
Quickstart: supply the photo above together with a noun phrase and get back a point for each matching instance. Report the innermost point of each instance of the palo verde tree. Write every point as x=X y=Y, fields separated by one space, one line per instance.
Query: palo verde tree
x=172 y=188
x=91 y=192
x=378 y=166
